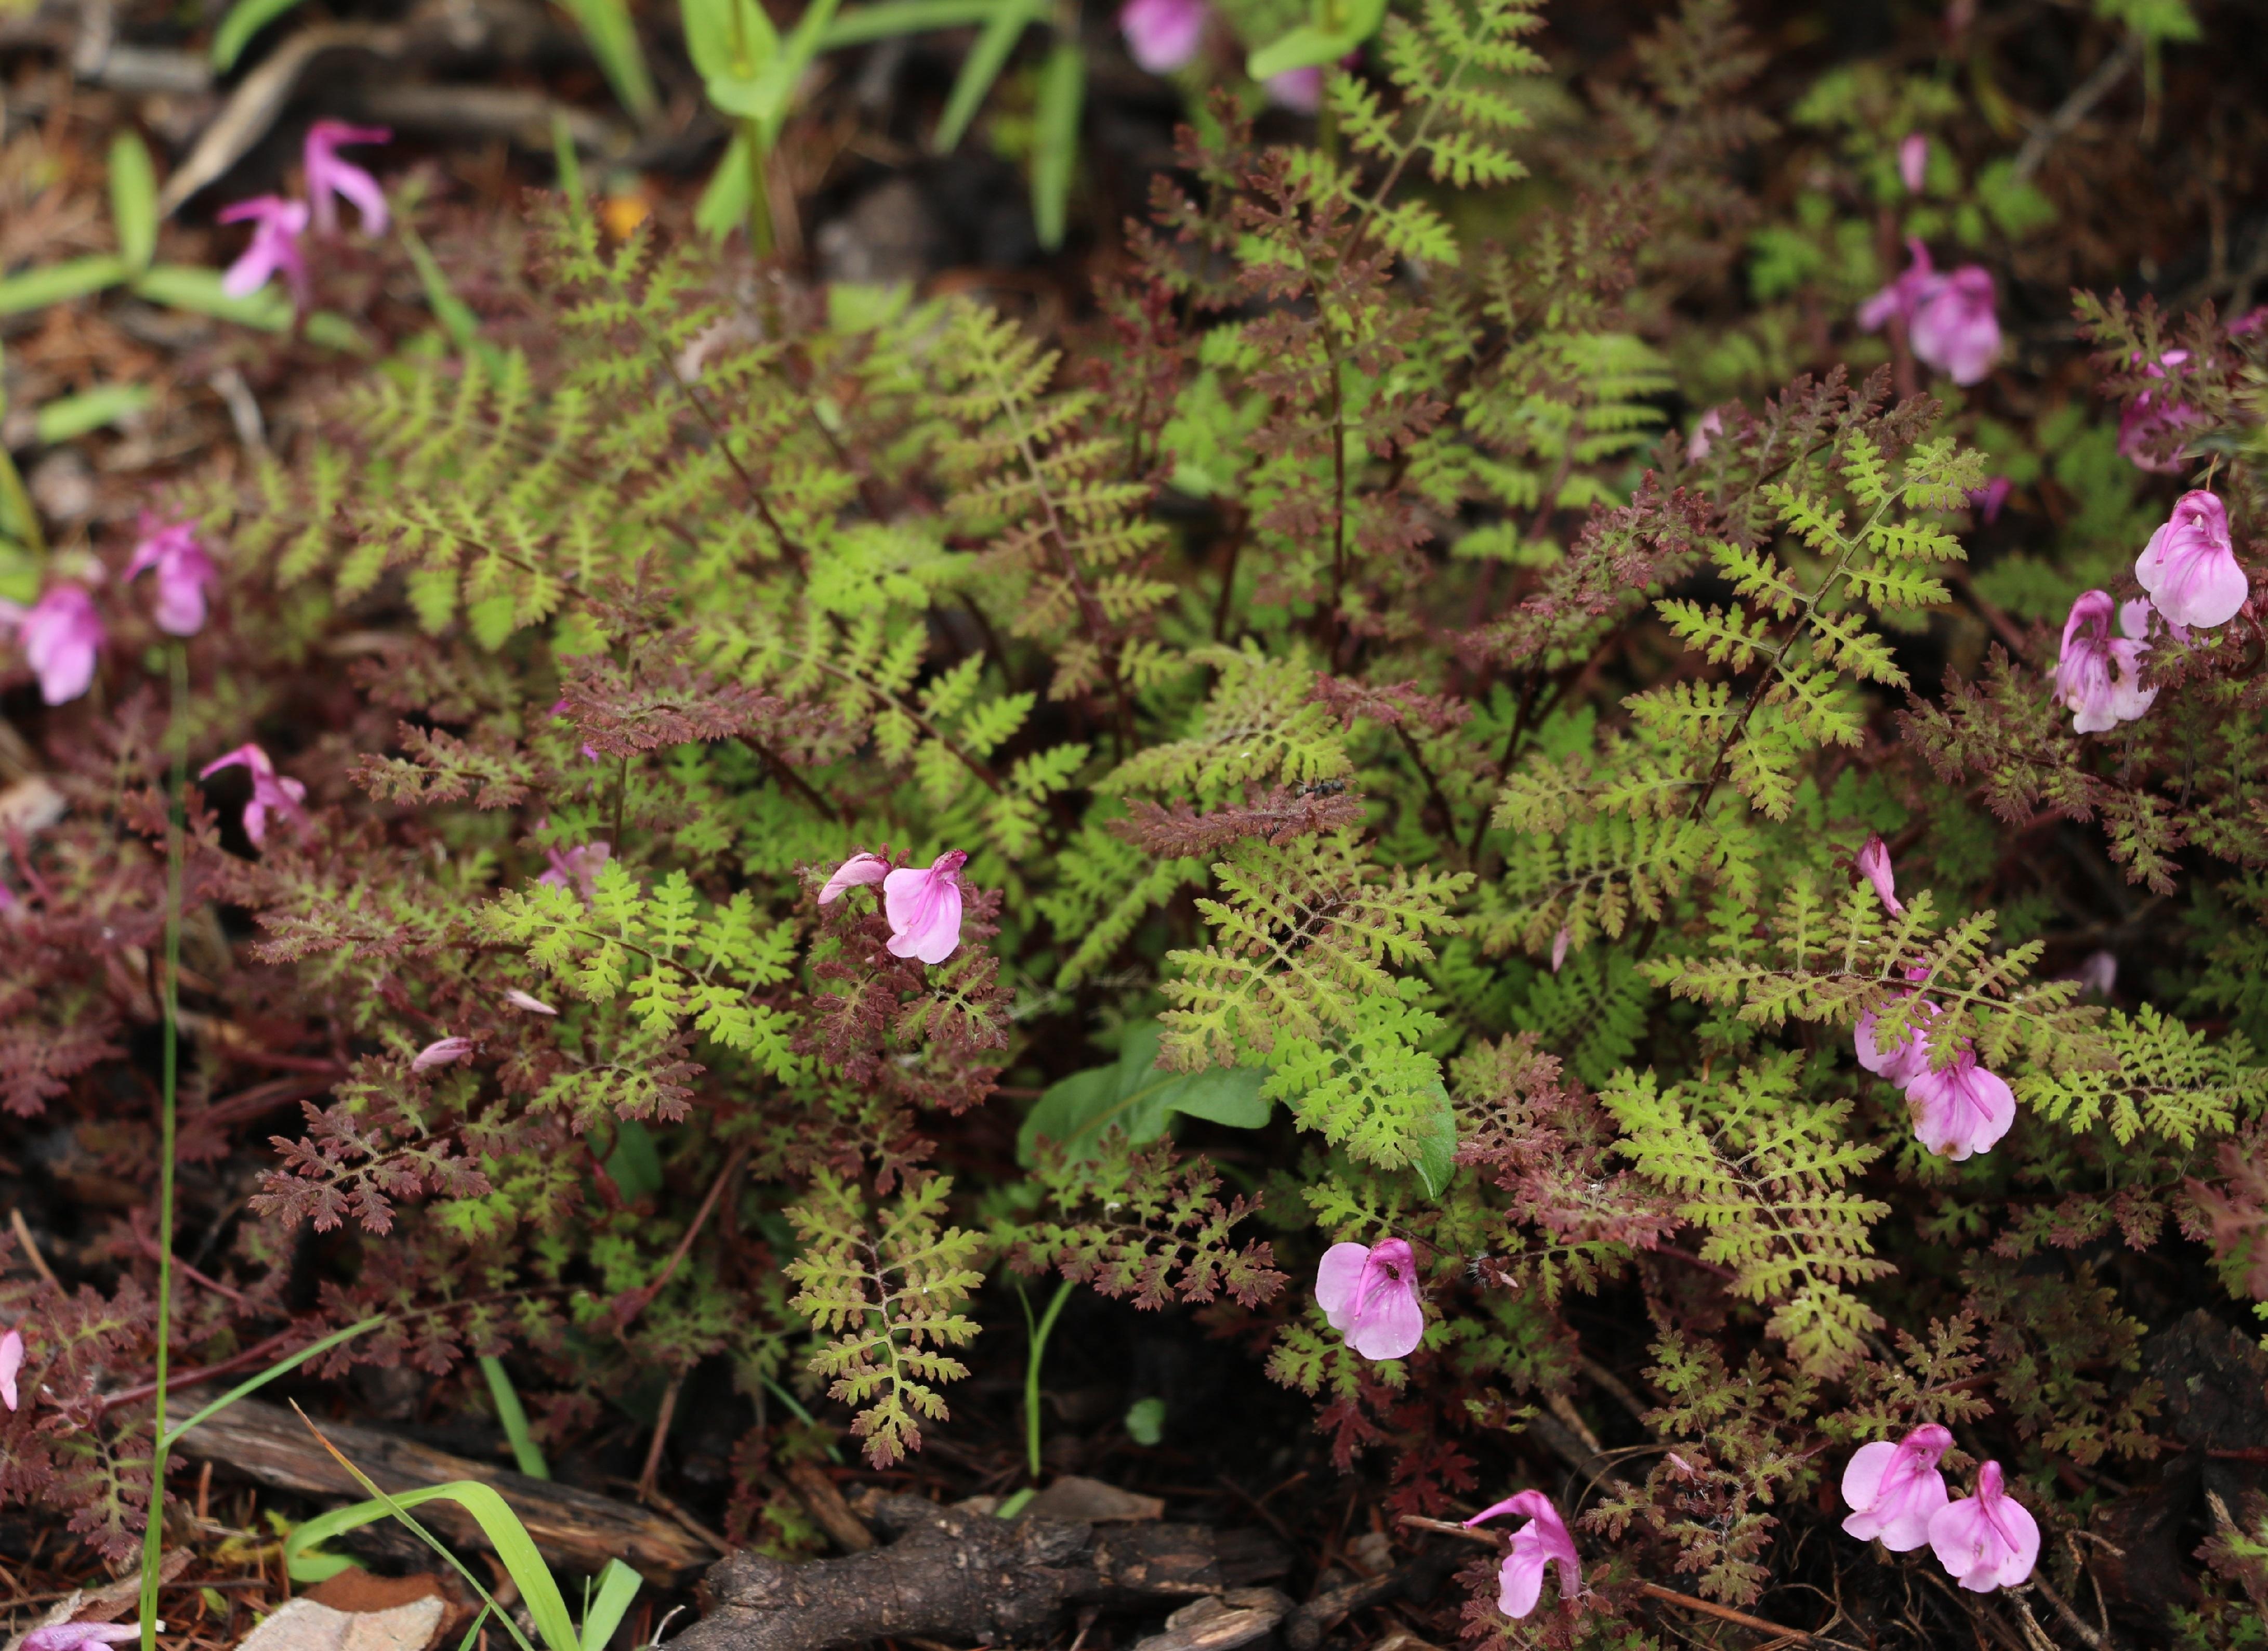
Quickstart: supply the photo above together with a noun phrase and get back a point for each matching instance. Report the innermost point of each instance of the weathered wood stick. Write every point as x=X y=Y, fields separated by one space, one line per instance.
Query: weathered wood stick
x=573 y=1528
x=964 y=1574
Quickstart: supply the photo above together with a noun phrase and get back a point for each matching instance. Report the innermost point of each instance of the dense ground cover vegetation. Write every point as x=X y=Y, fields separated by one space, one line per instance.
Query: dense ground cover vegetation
x=1579 y=770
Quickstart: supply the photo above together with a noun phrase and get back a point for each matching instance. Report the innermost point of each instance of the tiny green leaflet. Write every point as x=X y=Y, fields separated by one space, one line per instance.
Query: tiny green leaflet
x=1137 y=1096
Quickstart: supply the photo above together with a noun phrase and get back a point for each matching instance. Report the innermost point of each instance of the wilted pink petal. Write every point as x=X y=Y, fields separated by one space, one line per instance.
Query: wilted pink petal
x=1560 y=949
x=1987 y=1541
x=520 y=1000
x=1680 y=1466
x=1704 y=435
x=11 y=1362
x=1300 y=90
x=328 y=175
x=441 y=1052
x=2150 y=430
x=2190 y=566
x=1961 y=1110
x=1989 y=499
x=1543 y=1541
x=184 y=571
x=1894 y=1489
x=1162 y=35
x=269 y=790
x=61 y=635
x=1914 y=161
x=2099 y=678
x=1903 y=295
x=2099 y=974
x=70 y=1636
x=1874 y=866
x=1369 y=1293
x=923 y=907
x=860 y=868
x=276 y=226
x=1902 y=1060
x=578 y=865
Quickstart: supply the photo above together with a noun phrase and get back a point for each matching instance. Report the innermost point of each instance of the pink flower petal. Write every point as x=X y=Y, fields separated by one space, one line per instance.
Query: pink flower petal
x=860 y=868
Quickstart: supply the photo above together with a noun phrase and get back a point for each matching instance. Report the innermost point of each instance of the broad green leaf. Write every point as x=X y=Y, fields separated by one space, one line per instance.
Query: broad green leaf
x=192 y=287
x=1137 y=1096
x=245 y=19
x=618 y=1586
x=1055 y=150
x=71 y=416
x=612 y=36
x=55 y=283
x=1146 y=1421
x=729 y=40
x=634 y=1164
x=1336 y=28
x=723 y=204
x=134 y=200
x=1436 y=1158
x=981 y=67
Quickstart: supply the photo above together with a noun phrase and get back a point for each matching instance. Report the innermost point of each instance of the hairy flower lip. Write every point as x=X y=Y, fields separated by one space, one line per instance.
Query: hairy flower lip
x=2190 y=566
x=1542 y=1542
x=1894 y=1489
x=1369 y=1293
x=1986 y=1541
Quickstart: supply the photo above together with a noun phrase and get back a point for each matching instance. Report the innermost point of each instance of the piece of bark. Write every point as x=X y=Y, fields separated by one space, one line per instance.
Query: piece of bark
x=269 y=1444
x=1221 y=1622
x=1091 y=1502
x=825 y=1502
x=1414 y=1579
x=963 y=1574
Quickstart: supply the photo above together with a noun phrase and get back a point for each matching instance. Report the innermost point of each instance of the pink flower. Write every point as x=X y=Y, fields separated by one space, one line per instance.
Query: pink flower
x=328 y=175
x=1893 y=1489
x=269 y=790
x=1988 y=1540
x=1959 y=1111
x=1704 y=435
x=1370 y=1295
x=2099 y=974
x=1536 y=1545
x=1874 y=865
x=520 y=1000
x=1162 y=35
x=70 y=1636
x=2098 y=678
x=11 y=1361
x=1904 y=1060
x=2150 y=429
x=923 y=907
x=578 y=865
x=860 y=868
x=2190 y=566
x=1989 y=499
x=60 y=635
x=442 y=1051
x=1949 y=318
x=1559 y=948
x=276 y=226
x=1300 y=90
x=1914 y=161
x=184 y=571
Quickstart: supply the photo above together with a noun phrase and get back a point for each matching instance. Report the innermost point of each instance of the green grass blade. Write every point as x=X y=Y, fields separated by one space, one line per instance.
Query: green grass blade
x=246 y=1389
x=245 y=19
x=188 y=287
x=862 y=26
x=53 y=284
x=134 y=200
x=70 y=415
x=1055 y=147
x=524 y=1450
x=612 y=36
x=618 y=1586
x=981 y=69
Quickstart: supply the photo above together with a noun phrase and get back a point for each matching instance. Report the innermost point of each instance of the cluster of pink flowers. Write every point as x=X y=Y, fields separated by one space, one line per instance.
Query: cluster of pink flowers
x=922 y=904
x=1949 y=317
x=62 y=635
x=2193 y=577
x=1164 y=35
x=277 y=223
x=1958 y=1108
x=1895 y=1493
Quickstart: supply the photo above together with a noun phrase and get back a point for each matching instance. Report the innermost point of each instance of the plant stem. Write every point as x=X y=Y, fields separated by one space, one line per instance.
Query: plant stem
x=1032 y=1370
x=760 y=201
x=153 y=1534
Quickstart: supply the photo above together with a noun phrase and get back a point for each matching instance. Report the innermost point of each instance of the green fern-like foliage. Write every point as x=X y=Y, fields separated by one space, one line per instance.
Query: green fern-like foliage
x=2168 y=1079
x=1766 y=1176
x=885 y=1293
